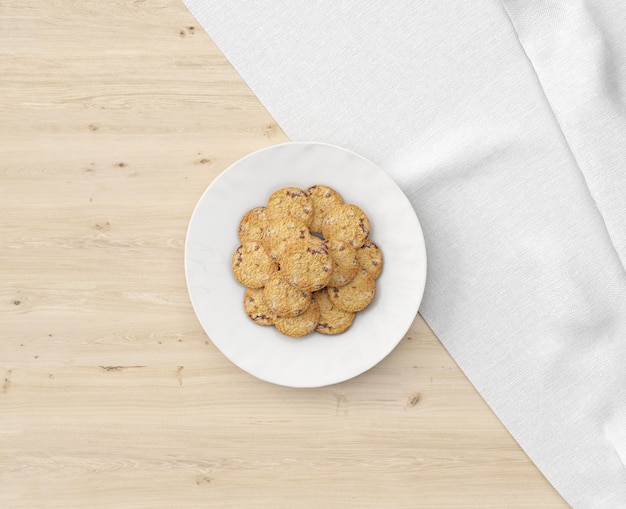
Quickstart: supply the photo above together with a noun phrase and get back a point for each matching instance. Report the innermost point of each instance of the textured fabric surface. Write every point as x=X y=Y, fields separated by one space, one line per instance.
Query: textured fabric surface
x=503 y=124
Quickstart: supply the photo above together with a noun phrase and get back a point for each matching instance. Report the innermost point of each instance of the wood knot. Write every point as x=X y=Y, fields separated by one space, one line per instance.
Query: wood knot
x=414 y=399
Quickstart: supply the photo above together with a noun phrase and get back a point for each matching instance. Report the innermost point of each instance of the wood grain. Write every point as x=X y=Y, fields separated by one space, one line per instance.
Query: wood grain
x=115 y=116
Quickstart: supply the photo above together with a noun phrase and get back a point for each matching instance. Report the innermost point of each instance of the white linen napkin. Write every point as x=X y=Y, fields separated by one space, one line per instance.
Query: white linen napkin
x=516 y=172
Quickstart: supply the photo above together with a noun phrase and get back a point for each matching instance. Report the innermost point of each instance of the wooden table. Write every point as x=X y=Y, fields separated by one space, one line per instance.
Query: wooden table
x=114 y=117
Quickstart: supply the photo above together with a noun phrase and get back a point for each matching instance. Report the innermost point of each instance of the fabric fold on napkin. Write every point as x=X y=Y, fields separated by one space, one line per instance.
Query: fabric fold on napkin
x=521 y=211
x=578 y=50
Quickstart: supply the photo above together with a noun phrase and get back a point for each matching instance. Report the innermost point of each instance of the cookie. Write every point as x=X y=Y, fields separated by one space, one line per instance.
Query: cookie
x=283 y=233
x=371 y=258
x=253 y=225
x=345 y=262
x=301 y=325
x=285 y=299
x=257 y=308
x=333 y=320
x=309 y=266
x=356 y=295
x=252 y=265
x=347 y=223
x=291 y=202
x=324 y=198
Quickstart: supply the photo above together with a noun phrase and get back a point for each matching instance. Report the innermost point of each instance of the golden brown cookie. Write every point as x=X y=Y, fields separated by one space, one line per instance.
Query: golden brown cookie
x=253 y=225
x=308 y=266
x=252 y=265
x=356 y=295
x=324 y=198
x=292 y=202
x=285 y=299
x=347 y=223
x=371 y=258
x=283 y=233
x=301 y=325
x=333 y=320
x=257 y=308
x=345 y=262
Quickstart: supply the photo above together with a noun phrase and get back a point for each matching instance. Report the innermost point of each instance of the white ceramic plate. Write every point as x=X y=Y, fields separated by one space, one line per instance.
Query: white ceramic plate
x=217 y=297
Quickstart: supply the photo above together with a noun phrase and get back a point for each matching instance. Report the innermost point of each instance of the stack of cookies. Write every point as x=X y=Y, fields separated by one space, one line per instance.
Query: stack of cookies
x=307 y=261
